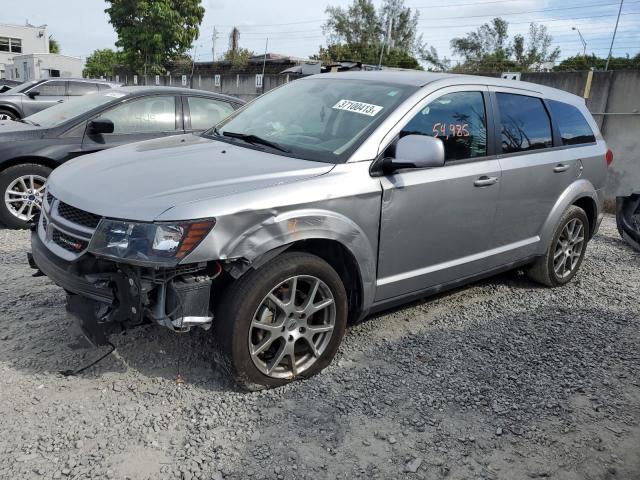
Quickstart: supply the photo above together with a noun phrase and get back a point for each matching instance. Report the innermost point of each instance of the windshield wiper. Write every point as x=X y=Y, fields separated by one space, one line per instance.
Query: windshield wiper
x=250 y=138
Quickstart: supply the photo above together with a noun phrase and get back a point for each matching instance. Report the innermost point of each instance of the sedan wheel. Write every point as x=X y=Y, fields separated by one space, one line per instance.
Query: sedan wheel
x=23 y=196
x=292 y=327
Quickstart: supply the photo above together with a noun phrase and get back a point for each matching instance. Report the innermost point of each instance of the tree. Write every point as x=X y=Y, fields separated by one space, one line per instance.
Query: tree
x=54 y=45
x=489 y=48
x=102 y=63
x=588 y=62
x=239 y=57
x=360 y=32
x=151 y=33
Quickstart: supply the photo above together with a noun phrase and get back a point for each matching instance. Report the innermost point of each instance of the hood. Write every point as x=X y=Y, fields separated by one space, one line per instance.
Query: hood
x=11 y=131
x=139 y=181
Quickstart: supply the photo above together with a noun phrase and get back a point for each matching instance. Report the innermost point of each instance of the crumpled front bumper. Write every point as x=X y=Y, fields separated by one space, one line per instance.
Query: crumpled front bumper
x=85 y=299
x=64 y=274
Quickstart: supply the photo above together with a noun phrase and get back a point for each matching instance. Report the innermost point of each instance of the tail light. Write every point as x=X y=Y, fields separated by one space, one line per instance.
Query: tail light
x=609 y=157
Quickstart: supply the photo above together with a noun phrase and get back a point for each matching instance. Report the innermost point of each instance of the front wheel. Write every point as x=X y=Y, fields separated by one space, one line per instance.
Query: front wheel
x=566 y=251
x=281 y=322
x=22 y=190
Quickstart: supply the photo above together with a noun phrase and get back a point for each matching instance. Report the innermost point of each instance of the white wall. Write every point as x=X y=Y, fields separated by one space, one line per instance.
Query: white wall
x=34 y=40
x=37 y=66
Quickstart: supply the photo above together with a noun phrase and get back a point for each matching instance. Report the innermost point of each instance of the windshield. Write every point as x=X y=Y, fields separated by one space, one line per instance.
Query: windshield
x=60 y=113
x=315 y=119
x=20 y=88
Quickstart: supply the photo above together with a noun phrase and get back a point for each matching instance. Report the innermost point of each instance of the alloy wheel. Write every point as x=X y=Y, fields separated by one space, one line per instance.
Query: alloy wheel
x=6 y=116
x=23 y=196
x=568 y=249
x=292 y=327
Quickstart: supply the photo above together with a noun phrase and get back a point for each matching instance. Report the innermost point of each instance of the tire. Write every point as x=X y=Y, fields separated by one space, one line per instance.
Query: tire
x=245 y=310
x=8 y=114
x=10 y=204
x=545 y=269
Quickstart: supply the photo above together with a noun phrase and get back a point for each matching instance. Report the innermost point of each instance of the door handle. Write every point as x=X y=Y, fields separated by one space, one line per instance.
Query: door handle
x=561 y=167
x=485 y=181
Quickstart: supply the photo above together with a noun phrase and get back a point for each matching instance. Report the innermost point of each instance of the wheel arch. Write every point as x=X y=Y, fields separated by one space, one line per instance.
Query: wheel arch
x=44 y=161
x=327 y=234
x=590 y=207
x=11 y=108
x=580 y=193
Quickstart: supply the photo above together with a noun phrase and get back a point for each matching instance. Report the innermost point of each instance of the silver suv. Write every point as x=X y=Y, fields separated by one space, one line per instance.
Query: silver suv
x=32 y=97
x=324 y=200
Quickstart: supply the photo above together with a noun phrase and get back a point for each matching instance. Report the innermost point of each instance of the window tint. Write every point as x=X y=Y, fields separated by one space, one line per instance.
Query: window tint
x=524 y=122
x=82 y=88
x=147 y=115
x=574 y=128
x=207 y=112
x=458 y=119
x=55 y=88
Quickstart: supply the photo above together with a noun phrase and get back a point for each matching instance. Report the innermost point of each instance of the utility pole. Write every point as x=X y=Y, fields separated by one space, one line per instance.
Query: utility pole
x=584 y=43
x=615 y=30
x=264 y=61
x=214 y=37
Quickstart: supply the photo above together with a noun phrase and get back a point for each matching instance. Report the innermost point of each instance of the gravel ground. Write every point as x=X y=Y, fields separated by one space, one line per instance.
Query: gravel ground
x=501 y=380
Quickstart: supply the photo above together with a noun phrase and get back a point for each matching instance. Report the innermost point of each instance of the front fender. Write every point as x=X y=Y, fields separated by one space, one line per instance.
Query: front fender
x=579 y=189
x=277 y=230
x=13 y=107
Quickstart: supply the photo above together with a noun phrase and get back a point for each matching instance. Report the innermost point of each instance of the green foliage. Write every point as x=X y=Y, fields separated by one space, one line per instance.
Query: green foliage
x=54 y=45
x=369 y=54
x=238 y=58
x=588 y=62
x=152 y=33
x=102 y=63
x=359 y=32
x=489 y=48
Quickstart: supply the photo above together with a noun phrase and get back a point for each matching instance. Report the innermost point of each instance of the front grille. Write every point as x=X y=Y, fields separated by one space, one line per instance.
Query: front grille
x=69 y=243
x=50 y=198
x=77 y=216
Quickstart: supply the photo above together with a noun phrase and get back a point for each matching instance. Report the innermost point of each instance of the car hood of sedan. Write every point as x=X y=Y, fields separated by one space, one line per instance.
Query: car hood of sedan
x=142 y=180
x=12 y=130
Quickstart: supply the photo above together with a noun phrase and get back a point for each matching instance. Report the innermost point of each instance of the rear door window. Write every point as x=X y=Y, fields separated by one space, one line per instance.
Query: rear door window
x=458 y=119
x=524 y=123
x=82 y=88
x=574 y=128
x=207 y=112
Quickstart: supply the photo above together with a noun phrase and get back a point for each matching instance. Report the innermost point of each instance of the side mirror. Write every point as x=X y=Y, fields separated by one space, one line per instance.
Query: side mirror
x=100 y=125
x=415 y=151
x=33 y=94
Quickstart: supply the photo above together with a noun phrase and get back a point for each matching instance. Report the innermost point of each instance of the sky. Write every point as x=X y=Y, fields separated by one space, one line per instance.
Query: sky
x=294 y=27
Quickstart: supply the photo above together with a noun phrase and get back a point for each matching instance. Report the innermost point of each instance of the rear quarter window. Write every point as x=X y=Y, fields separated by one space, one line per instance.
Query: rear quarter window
x=574 y=128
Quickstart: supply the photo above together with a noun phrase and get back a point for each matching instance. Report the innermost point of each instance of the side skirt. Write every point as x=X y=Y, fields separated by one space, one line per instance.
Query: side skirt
x=436 y=289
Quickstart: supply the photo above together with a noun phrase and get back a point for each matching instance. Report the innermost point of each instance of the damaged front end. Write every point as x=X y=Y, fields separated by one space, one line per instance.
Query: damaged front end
x=107 y=295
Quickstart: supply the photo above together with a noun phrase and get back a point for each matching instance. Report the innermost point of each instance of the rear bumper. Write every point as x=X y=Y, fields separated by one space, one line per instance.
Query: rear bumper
x=62 y=273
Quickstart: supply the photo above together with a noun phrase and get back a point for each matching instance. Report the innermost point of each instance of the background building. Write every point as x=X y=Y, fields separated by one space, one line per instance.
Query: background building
x=34 y=66
x=18 y=40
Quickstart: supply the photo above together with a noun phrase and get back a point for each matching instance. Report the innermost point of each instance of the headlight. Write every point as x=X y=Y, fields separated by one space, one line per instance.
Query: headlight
x=148 y=243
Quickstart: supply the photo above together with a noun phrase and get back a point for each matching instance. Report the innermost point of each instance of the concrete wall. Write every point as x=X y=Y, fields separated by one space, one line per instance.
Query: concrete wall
x=34 y=40
x=614 y=99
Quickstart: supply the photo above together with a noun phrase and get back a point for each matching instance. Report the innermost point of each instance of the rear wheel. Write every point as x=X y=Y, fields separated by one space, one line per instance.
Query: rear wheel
x=566 y=251
x=7 y=115
x=22 y=190
x=281 y=322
